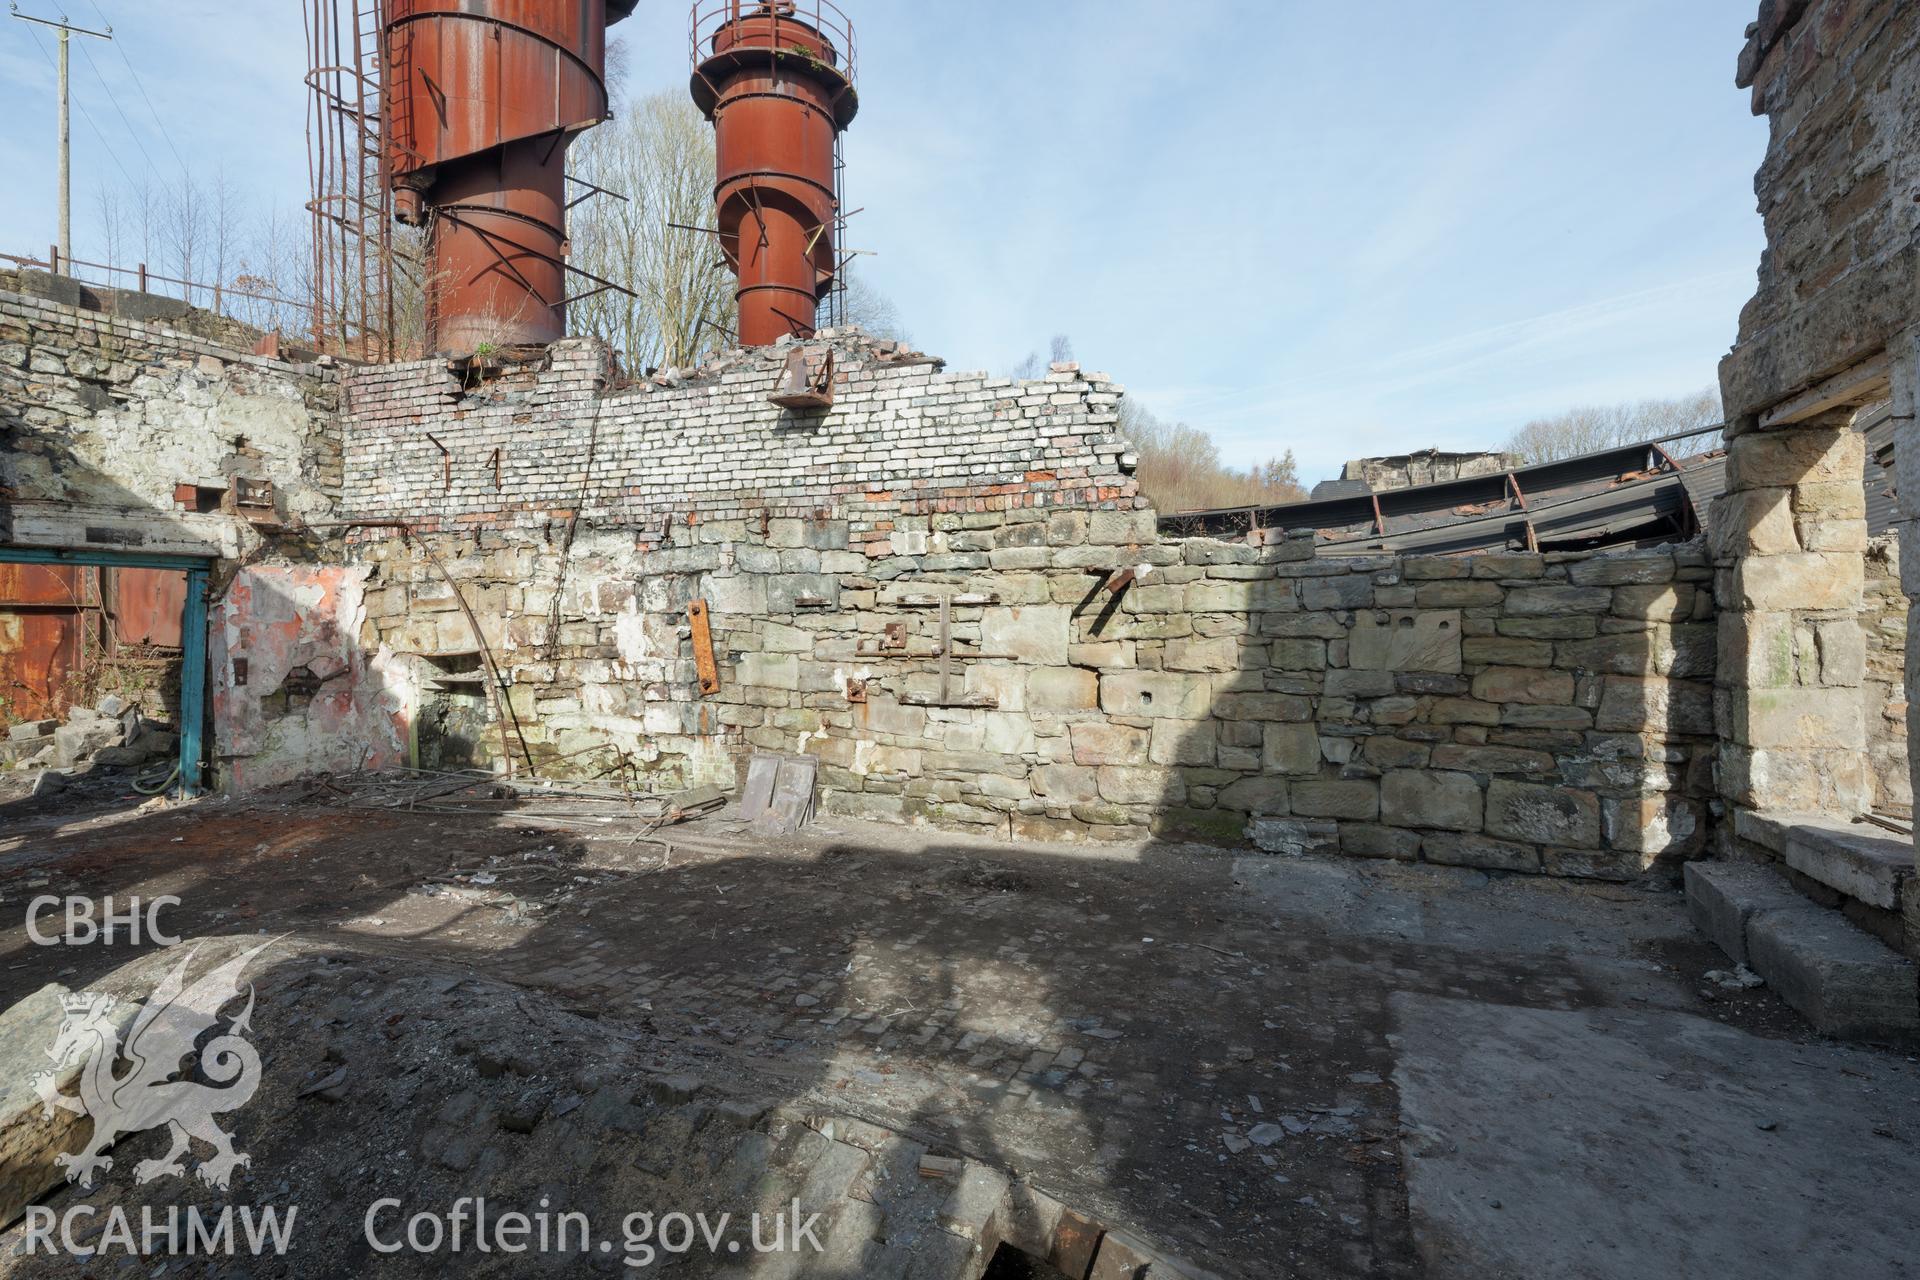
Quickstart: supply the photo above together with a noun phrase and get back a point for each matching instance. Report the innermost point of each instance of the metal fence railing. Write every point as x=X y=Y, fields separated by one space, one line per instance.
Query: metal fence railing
x=242 y=299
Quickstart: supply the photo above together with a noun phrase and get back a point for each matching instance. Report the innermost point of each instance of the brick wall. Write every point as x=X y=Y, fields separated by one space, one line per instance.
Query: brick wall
x=903 y=435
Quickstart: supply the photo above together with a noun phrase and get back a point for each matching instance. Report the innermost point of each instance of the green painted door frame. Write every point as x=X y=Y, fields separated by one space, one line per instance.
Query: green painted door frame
x=193 y=634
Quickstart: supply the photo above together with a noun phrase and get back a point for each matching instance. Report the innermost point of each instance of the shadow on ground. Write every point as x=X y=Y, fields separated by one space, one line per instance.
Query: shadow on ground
x=1198 y=1046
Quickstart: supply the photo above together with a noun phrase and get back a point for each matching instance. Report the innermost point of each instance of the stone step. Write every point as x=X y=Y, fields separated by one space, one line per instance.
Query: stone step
x=1723 y=896
x=1839 y=978
x=1861 y=861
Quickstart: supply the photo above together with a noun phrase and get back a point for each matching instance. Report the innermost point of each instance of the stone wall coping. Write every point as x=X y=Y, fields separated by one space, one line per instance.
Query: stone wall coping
x=22 y=304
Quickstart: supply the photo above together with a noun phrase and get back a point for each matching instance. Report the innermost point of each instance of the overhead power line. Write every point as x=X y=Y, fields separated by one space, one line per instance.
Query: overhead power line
x=65 y=196
x=115 y=100
x=165 y=133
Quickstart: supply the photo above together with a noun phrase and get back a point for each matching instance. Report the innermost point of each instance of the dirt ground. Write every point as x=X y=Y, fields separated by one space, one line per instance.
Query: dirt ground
x=1269 y=1066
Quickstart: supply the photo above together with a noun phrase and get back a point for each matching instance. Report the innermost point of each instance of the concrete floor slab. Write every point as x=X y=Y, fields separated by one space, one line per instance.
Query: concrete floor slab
x=1609 y=1145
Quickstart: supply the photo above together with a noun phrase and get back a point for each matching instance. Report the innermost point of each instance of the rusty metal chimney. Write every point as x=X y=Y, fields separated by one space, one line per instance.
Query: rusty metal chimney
x=482 y=99
x=776 y=79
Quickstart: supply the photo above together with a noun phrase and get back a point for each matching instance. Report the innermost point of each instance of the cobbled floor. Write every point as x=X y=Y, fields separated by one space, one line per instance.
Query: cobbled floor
x=1192 y=1042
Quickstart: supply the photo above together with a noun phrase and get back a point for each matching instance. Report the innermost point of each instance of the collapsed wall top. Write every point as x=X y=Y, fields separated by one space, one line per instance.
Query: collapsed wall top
x=776 y=79
x=483 y=98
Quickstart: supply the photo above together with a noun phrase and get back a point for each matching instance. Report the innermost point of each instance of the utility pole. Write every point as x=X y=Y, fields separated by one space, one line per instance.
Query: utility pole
x=64 y=251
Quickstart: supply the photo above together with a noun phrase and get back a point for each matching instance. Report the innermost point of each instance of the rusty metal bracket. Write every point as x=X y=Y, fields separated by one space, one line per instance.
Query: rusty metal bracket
x=946 y=647
x=800 y=387
x=1112 y=582
x=592 y=191
x=446 y=463
x=703 y=648
x=856 y=689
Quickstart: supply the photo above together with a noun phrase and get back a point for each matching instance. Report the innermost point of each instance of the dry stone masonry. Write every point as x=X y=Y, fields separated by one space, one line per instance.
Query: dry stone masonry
x=1883 y=703
x=1830 y=332
x=1523 y=712
x=1809 y=613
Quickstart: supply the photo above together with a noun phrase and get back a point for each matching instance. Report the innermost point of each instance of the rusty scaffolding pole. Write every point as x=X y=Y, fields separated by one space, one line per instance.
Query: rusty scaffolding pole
x=353 y=239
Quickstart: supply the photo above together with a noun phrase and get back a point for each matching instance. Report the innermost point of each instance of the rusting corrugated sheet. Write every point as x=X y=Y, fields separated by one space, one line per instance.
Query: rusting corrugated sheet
x=1883 y=501
x=40 y=627
x=147 y=604
x=1620 y=496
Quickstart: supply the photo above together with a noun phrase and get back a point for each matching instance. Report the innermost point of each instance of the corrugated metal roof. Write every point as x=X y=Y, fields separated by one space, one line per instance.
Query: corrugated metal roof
x=1709 y=481
x=1705 y=482
x=1630 y=494
x=1633 y=494
x=1883 y=504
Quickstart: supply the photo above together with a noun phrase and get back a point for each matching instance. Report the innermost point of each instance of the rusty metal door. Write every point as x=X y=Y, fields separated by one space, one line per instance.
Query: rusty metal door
x=40 y=638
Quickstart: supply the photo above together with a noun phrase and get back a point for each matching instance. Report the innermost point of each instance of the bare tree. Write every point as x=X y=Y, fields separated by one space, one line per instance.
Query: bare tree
x=183 y=228
x=872 y=310
x=205 y=232
x=1034 y=365
x=1596 y=427
x=224 y=231
x=1181 y=469
x=273 y=261
x=619 y=65
x=116 y=224
x=660 y=157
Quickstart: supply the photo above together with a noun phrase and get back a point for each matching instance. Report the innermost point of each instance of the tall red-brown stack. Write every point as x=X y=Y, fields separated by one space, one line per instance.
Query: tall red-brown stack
x=776 y=79
x=483 y=98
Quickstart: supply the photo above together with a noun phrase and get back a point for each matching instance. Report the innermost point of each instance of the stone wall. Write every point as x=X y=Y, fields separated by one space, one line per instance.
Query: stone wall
x=1838 y=81
x=1883 y=703
x=1522 y=712
x=1790 y=536
x=102 y=420
x=123 y=434
x=293 y=692
x=177 y=314
x=1428 y=466
x=1831 y=330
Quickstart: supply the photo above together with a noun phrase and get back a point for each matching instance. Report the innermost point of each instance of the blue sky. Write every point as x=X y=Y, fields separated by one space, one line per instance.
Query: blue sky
x=1341 y=229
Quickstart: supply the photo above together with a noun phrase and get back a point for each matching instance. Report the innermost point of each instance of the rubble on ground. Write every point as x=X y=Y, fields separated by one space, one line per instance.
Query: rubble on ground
x=112 y=733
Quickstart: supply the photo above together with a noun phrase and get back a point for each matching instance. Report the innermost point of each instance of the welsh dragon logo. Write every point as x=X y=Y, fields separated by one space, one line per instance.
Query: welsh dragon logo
x=146 y=1094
